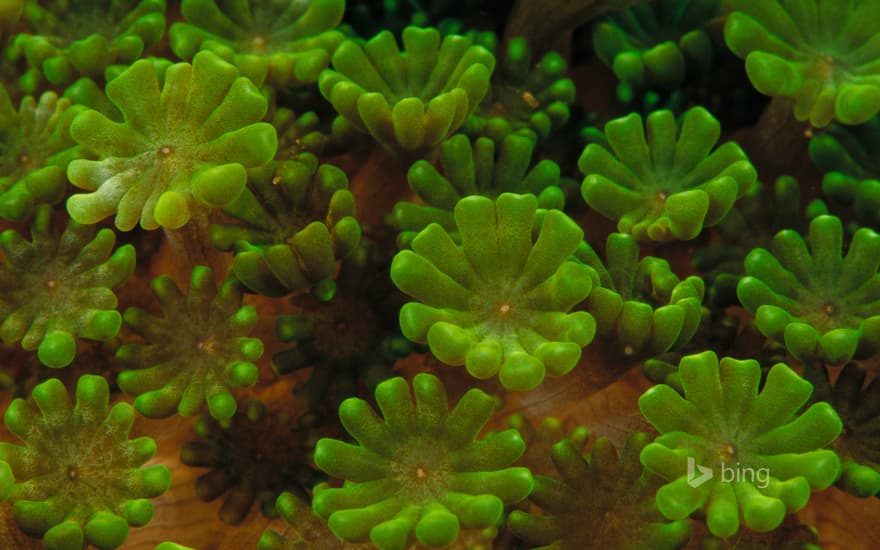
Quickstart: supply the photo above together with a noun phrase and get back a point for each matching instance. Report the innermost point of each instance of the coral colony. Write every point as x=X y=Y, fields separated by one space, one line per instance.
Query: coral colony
x=337 y=245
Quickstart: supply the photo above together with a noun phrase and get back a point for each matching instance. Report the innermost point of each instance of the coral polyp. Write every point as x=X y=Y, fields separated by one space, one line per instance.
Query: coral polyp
x=172 y=157
x=349 y=341
x=641 y=306
x=296 y=219
x=818 y=302
x=182 y=370
x=79 y=479
x=408 y=101
x=723 y=423
x=474 y=167
x=819 y=54
x=656 y=45
x=421 y=474
x=499 y=303
x=662 y=181
x=527 y=97
x=66 y=43
x=254 y=456
x=281 y=43
x=57 y=288
x=615 y=489
x=37 y=148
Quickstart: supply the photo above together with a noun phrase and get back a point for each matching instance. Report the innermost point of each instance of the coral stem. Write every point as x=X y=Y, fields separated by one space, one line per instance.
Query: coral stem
x=541 y=24
x=584 y=381
x=380 y=166
x=190 y=246
x=778 y=140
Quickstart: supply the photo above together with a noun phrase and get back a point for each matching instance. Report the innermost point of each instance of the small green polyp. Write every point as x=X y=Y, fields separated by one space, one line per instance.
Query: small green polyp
x=60 y=287
x=282 y=44
x=408 y=101
x=88 y=486
x=527 y=99
x=641 y=305
x=762 y=212
x=420 y=473
x=296 y=218
x=661 y=180
x=69 y=41
x=850 y=158
x=655 y=45
x=817 y=301
x=474 y=167
x=195 y=353
x=36 y=149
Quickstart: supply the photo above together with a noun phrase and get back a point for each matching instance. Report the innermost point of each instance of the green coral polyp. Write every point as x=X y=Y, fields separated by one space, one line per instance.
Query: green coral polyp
x=656 y=45
x=84 y=41
x=641 y=305
x=412 y=100
x=478 y=167
x=717 y=331
x=499 y=303
x=763 y=211
x=79 y=479
x=195 y=353
x=279 y=43
x=525 y=98
x=420 y=473
x=821 y=304
x=822 y=55
x=297 y=220
x=723 y=428
x=663 y=182
x=850 y=158
x=60 y=288
x=541 y=436
x=183 y=147
x=298 y=133
x=851 y=151
x=36 y=149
